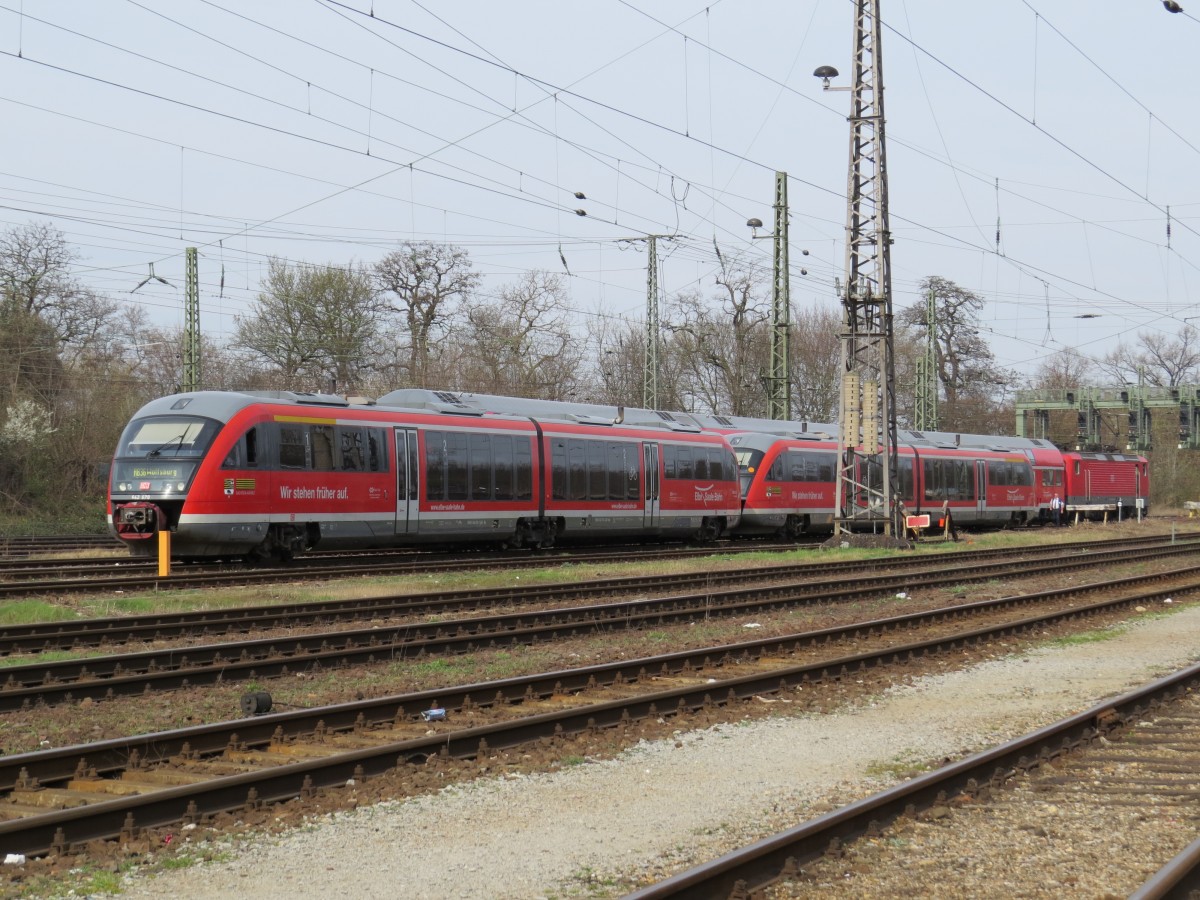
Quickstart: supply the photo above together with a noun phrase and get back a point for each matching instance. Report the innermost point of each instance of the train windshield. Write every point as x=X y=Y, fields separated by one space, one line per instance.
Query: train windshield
x=167 y=437
x=748 y=462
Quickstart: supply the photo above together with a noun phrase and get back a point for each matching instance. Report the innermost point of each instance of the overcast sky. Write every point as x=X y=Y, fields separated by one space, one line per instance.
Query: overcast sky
x=321 y=131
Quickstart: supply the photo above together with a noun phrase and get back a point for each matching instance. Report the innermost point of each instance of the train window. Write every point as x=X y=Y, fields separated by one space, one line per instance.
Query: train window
x=435 y=465
x=683 y=463
x=716 y=464
x=456 y=467
x=616 y=471
x=321 y=437
x=796 y=466
x=775 y=473
x=905 y=473
x=829 y=466
x=481 y=467
x=949 y=479
x=292 y=453
x=577 y=467
x=1009 y=474
x=1076 y=467
x=245 y=449
x=700 y=463
x=522 y=469
x=350 y=442
x=668 y=459
x=502 y=454
x=964 y=478
x=558 y=470
x=413 y=477
x=377 y=455
x=597 y=470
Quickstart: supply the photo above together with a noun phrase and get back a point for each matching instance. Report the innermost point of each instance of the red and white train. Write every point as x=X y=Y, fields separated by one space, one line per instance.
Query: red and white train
x=788 y=483
x=272 y=474
x=269 y=475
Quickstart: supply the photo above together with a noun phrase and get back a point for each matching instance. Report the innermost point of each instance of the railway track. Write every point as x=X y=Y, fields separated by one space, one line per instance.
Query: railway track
x=1109 y=777
x=108 y=676
x=61 y=799
x=21 y=546
x=82 y=634
x=90 y=576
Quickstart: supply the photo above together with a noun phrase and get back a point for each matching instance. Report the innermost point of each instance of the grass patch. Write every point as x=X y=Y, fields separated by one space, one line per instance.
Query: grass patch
x=50 y=656
x=901 y=766
x=1089 y=637
x=19 y=612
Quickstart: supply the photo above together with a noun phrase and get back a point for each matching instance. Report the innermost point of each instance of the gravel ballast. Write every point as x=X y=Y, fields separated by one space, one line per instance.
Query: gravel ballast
x=598 y=828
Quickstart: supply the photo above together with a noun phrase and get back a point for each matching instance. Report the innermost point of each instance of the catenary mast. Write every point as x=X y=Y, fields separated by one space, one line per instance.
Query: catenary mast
x=868 y=474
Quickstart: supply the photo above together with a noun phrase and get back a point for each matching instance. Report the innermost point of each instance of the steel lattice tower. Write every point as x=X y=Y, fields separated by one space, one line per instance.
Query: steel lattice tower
x=779 y=381
x=650 y=364
x=868 y=471
x=925 y=417
x=191 y=323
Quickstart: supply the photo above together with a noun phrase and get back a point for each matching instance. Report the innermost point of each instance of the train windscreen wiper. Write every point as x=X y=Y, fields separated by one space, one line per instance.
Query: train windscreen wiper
x=175 y=440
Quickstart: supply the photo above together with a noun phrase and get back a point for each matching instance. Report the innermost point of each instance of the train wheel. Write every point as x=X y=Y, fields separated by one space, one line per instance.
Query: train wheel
x=795 y=527
x=548 y=535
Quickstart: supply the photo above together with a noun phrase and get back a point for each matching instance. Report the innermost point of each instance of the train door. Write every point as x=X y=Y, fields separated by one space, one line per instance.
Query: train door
x=980 y=488
x=407 y=481
x=652 y=514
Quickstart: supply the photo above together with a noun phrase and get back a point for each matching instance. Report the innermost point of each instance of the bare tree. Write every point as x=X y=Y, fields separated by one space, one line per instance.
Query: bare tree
x=424 y=281
x=716 y=350
x=1062 y=370
x=1170 y=360
x=1159 y=359
x=816 y=358
x=313 y=322
x=522 y=343
x=971 y=381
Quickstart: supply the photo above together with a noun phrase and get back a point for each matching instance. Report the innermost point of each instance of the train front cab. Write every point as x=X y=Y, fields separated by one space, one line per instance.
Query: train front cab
x=153 y=470
x=1099 y=486
x=787 y=484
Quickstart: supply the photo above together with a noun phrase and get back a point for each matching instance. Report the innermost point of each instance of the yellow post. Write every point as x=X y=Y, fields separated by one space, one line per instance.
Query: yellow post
x=164 y=553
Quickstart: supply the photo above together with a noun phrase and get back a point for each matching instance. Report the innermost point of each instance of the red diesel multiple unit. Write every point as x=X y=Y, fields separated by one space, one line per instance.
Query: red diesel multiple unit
x=270 y=475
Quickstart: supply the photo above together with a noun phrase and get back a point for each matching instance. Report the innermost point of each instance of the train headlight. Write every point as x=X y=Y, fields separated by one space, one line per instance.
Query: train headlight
x=180 y=486
x=122 y=486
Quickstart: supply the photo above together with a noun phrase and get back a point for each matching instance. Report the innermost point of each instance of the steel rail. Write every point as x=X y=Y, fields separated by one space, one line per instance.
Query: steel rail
x=187 y=577
x=104 y=677
x=1179 y=879
x=82 y=633
x=742 y=872
x=60 y=829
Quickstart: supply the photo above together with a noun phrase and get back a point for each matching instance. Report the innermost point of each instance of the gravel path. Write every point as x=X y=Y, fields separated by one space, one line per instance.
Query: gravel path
x=595 y=829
